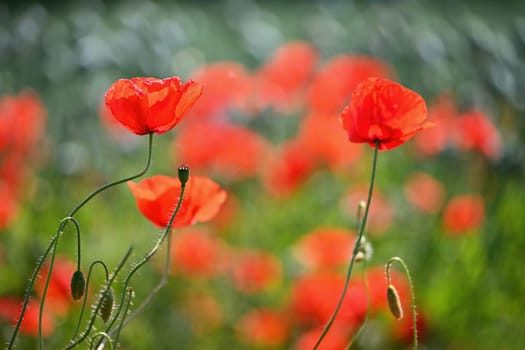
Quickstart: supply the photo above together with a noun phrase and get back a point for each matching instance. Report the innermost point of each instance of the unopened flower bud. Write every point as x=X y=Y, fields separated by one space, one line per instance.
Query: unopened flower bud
x=78 y=285
x=394 y=303
x=361 y=206
x=184 y=174
x=106 y=305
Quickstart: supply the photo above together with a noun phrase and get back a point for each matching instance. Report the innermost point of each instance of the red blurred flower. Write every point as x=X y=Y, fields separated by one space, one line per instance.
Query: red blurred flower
x=195 y=253
x=381 y=213
x=204 y=311
x=336 y=81
x=325 y=247
x=157 y=198
x=425 y=192
x=385 y=111
x=263 y=327
x=287 y=168
x=146 y=105
x=8 y=206
x=22 y=122
x=10 y=311
x=281 y=81
x=464 y=213
x=475 y=131
x=227 y=84
x=254 y=271
x=442 y=113
x=58 y=298
x=336 y=339
x=323 y=139
x=314 y=297
x=229 y=150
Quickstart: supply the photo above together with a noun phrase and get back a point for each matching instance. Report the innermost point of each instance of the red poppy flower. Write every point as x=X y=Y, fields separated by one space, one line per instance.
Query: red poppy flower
x=443 y=114
x=323 y=139
x=288 y=168
x=325 y=247
x=228 y=85
x=475 y=131
x=229 y=150
x=157 y=198
x=58 y=297
x=314 y=297
x=424 y=192
x=336 y=81
x=263 y=328
x=336 y=339
x=10 y=311
x=385 y=111
x=464 y=213
x=254 y=271
x=146 y=105
x=195 y=253
x=281 y=81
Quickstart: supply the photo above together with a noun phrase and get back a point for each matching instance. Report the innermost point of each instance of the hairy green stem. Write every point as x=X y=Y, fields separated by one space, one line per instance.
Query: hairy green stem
x=354 y=252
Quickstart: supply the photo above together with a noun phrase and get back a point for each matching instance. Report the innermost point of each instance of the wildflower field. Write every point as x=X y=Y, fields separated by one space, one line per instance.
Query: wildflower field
x=262 y=175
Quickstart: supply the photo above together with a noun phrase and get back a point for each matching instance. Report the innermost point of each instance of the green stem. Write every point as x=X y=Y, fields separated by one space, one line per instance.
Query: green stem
x=86 y=292
x=111 y=184
x=104 y=336
x=412 y=293
x=363 y=324
x=74 y=343
x=128 y=304
x=56 y=237
x=144 y=261
x=354 y=252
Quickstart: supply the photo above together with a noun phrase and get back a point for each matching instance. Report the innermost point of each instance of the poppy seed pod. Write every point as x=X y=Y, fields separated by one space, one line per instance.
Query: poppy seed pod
x=184 y=174
x=394 y=303
x=78 y=285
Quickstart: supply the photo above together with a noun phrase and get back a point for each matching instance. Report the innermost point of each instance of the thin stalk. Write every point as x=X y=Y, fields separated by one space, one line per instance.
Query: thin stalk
x=355 y=251
x=362 y=326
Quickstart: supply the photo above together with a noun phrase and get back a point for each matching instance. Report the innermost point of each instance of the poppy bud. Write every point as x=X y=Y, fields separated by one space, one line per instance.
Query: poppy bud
x=78 y=284
x=184 y=174
x=106 y=305
x=394 y=303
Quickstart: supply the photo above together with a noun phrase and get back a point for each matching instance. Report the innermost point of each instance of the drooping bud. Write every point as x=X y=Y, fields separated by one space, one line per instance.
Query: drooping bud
x=106 y=305
x=184 y=174
x=78 y=285
x=394 y=303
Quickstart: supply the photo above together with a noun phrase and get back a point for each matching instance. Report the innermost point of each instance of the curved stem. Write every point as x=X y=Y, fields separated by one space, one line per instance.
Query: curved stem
x=412 y=293
x=86 y=292
x=354 y=252
x=104 y=336
x=144 y=261
x=74 y=343
x=111 y=184
x=56 y=237
x=128 y=304
x=363 y=324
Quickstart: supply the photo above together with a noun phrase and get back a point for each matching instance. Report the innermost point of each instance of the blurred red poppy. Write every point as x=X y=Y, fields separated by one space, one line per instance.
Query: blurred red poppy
x=263 y=328
x=336 y=339
x=425 y=192
x=227 y=85
x=385 y=111
x=58 y=297
x=324 y=140
x=475 y=131
x=287 y=168
x=464 y=213
x=335 y=82
x=325 y=247
x=254 y=271
x=195 y=253
x=443 y=114
x=8 y=205
x=203 y=310
x=381 y=212
x=147 y=105
x=232 y=151
x=281 y=82
x=157 y=198
x=10 y=311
